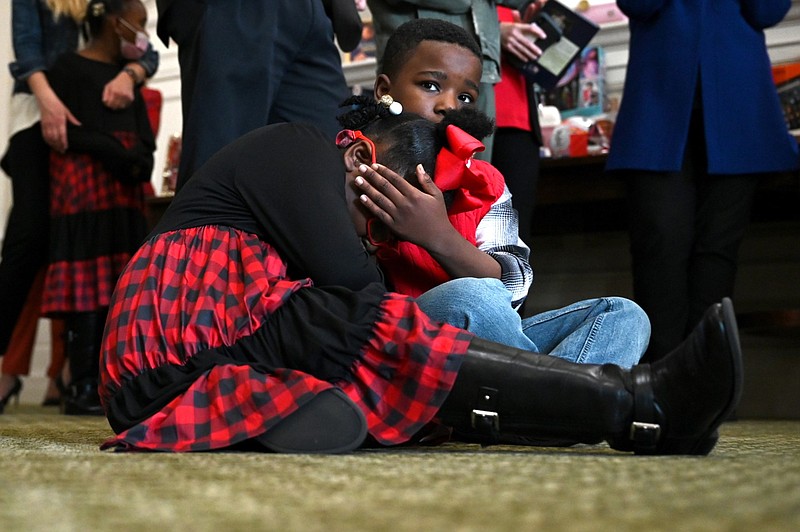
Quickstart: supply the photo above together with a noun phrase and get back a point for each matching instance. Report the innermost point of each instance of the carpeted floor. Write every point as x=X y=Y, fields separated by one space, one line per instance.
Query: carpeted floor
x=53 y=477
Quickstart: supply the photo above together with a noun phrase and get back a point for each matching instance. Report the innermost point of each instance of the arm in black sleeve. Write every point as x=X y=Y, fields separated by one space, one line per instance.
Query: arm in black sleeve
x=292 y=179
x=127 y=165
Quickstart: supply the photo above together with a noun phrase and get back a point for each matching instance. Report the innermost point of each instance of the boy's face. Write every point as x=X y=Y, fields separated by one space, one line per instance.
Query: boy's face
x=437 y=78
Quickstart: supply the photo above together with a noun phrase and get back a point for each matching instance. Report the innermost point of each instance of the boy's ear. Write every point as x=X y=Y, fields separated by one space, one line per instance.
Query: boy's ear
x=357 y=153
x=382 y=86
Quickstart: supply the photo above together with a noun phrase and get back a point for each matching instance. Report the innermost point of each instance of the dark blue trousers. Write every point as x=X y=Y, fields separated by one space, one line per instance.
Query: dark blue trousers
x=247 y=64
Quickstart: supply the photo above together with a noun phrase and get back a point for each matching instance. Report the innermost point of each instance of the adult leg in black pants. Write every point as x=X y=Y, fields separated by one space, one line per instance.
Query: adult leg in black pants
x=686 y=228
x=26 y=241
x=516 y=155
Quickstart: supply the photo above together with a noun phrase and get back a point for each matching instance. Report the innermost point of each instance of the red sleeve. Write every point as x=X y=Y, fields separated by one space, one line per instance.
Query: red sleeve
x=511 y=99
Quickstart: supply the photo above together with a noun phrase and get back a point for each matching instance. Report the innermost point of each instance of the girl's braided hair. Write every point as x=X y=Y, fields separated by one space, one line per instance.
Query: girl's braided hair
x=408 y=139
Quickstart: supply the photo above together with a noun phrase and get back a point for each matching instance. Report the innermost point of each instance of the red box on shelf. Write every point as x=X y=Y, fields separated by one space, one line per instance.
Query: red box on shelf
x=785 y=71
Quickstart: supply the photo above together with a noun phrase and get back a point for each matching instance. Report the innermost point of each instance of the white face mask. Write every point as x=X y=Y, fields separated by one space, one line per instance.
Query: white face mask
x=133 y=50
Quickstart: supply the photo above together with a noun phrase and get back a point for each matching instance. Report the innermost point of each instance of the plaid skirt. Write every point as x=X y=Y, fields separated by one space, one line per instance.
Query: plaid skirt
x=96 y=224
x=178 y=373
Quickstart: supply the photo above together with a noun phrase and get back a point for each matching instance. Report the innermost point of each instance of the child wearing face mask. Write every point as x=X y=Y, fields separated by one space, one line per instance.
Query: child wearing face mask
x=41 y=30
x=96 y=199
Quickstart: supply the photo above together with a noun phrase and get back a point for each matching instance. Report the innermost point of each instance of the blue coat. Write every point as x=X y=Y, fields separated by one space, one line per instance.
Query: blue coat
x=722 y=41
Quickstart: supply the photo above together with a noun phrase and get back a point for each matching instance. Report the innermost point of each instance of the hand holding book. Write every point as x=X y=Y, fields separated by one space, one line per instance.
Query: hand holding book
x=519 y=38
x=566 y=34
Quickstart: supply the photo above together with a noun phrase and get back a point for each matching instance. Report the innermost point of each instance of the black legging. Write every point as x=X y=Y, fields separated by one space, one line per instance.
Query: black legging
x=26 y=241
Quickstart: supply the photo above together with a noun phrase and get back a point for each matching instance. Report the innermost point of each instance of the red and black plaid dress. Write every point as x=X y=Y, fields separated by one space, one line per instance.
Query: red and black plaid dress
x=97 y=221
x=254 y=294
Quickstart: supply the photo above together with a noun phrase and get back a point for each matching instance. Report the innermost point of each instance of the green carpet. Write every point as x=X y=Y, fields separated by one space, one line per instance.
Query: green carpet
x=53 y=477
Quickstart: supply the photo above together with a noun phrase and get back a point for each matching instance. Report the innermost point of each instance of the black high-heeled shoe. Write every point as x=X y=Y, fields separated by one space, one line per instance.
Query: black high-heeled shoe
x=13 y=392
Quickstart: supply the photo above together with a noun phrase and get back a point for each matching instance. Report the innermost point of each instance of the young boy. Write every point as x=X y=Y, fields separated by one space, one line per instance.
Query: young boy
x=431 y=67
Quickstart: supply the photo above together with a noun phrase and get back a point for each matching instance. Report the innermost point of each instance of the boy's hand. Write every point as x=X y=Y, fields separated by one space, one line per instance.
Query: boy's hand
x=418 y=216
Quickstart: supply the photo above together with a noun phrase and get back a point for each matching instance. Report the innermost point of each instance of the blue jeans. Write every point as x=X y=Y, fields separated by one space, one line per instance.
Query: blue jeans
x=611 y=330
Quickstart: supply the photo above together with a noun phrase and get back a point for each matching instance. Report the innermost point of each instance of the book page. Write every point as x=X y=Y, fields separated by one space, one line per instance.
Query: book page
x=558 y=55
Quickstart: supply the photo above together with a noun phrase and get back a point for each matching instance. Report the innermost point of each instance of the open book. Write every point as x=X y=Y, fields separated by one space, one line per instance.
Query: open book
x=567 y=32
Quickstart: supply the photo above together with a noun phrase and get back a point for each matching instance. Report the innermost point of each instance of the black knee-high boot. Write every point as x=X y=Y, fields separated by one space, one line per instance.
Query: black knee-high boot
x=672 y=406
x=83 y=332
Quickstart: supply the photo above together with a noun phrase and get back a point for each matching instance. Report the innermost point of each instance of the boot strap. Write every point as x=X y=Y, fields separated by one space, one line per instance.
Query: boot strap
x=645 y=432
x=484 y=417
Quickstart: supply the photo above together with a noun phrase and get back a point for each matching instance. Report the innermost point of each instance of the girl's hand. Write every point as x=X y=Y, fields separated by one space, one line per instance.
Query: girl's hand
x=118 y=93
x=414 y=215
x=420 y=217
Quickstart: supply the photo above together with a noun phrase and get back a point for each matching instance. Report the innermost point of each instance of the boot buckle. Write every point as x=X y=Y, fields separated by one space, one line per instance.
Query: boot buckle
x=645 y=434
x=485 y=420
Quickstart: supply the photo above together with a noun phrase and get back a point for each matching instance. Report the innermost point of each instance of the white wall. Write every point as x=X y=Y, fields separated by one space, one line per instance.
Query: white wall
x=168 y=81
x=6 y=85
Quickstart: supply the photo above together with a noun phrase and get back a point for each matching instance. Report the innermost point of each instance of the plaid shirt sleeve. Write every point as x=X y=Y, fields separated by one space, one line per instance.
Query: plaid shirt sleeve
x=498 y=235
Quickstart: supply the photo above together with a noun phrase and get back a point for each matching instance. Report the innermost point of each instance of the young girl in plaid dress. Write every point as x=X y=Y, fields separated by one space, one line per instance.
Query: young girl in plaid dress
x=96 y=196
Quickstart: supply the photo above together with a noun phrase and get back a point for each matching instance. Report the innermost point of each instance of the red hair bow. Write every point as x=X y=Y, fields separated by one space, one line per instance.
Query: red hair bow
x=453 y=171
x=348 y=136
